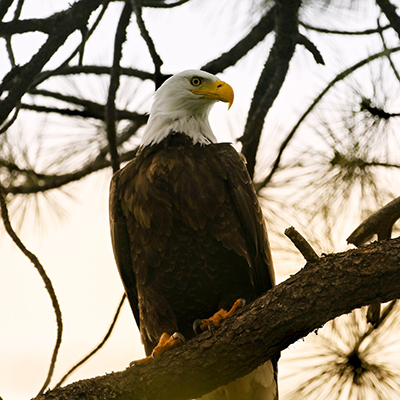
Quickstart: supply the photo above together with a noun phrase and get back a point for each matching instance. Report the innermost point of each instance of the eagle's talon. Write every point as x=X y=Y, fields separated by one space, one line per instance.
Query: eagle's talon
x=167 y=342
x=210 y=324
x=197 y=326
x=211 y=327
x=178 y=336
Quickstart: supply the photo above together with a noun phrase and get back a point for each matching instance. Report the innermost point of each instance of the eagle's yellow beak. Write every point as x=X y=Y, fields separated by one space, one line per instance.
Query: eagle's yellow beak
x=218 y=90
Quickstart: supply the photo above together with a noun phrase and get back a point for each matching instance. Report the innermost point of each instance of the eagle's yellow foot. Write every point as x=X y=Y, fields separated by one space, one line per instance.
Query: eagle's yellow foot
x=215 y=320
x=166 y=342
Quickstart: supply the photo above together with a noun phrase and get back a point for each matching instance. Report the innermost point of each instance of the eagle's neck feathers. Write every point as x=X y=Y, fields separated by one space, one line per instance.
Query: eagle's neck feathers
x=196 y=127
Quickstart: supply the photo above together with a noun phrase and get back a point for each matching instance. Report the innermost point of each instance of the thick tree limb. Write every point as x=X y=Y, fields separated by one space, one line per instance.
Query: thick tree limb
x=271 y=78
x=322 y=290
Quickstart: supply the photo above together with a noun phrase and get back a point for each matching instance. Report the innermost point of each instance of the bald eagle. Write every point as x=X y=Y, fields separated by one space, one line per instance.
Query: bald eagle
x=187 y=229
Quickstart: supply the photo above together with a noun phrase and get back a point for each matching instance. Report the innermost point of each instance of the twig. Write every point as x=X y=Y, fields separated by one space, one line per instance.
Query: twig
x=47 y=283
x=391 y=63
x=312 y=48
x=98 y=347
x=87 y=112
x=380 y=223
x=157 y=61
x=302 y=245
x=90 y=108
x=79 y=49
x=237 y=52
x=74 y=17
x=48 y=182
x=96 y=70
x=161 y=4
x=337 y=32
x=110 y=115
x=390 y=12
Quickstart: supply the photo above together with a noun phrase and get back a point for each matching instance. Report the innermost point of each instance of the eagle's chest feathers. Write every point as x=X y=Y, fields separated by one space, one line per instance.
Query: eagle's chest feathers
x=180 y=182
x=179 y=208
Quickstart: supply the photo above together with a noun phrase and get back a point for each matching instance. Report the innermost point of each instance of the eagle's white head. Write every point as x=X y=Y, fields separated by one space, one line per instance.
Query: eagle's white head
x=182 y=104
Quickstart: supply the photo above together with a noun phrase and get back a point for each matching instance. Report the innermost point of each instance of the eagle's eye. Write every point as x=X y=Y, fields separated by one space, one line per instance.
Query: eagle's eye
x=196 y=81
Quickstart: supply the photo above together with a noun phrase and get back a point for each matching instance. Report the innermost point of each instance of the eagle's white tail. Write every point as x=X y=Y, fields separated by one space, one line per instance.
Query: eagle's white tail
x=258 y=385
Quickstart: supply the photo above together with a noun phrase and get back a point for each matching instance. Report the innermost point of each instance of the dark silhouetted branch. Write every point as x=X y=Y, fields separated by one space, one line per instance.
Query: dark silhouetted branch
x=379 y=223
x=301 y=244
x=157 y=61
x=19 y=80
x=111 y=112
x=390 y=12
x=286 y=313
x=237 y=52
x=272 y=77
x=47 y=283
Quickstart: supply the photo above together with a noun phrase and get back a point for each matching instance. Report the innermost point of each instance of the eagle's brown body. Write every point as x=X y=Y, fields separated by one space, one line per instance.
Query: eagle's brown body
x=188 y=235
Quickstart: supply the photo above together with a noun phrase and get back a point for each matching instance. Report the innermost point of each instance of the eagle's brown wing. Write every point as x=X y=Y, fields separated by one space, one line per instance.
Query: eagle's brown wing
x=248 y=211
x=121 y=246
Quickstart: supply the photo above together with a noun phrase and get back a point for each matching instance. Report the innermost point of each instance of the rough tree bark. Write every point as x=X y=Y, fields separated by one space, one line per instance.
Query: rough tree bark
x=324 y=289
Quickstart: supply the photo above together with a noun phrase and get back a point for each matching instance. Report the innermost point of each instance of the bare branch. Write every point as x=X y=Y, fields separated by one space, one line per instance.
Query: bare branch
x=379 y=29
x=47 y=283
x=110 y=115
x=4 y=6
x=302 y=245
x=390 y=11
x=137 y=8
x=90 y=108
x=237 y=52
x=98 y=70
x=378 y=223
x=253 y=335
x=49 y=182
x=272 y=77
x=20 y=79
x=162 y=4
x=310 y=46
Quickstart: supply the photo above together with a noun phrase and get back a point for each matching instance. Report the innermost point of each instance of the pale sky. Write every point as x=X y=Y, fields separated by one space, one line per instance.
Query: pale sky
x=76 y=250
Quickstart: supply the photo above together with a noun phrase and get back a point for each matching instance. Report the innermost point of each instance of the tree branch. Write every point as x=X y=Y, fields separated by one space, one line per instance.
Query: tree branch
x=88 y=108
x=22 y=77
x=379 y=29
x=98 y=70
x=390 y=11
x=49 y=182
x=46 y=280
x=157 y=61
x=237 y=52
x=111 y=112
x=272 y=77
x=378 y=223
x=286 y=313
